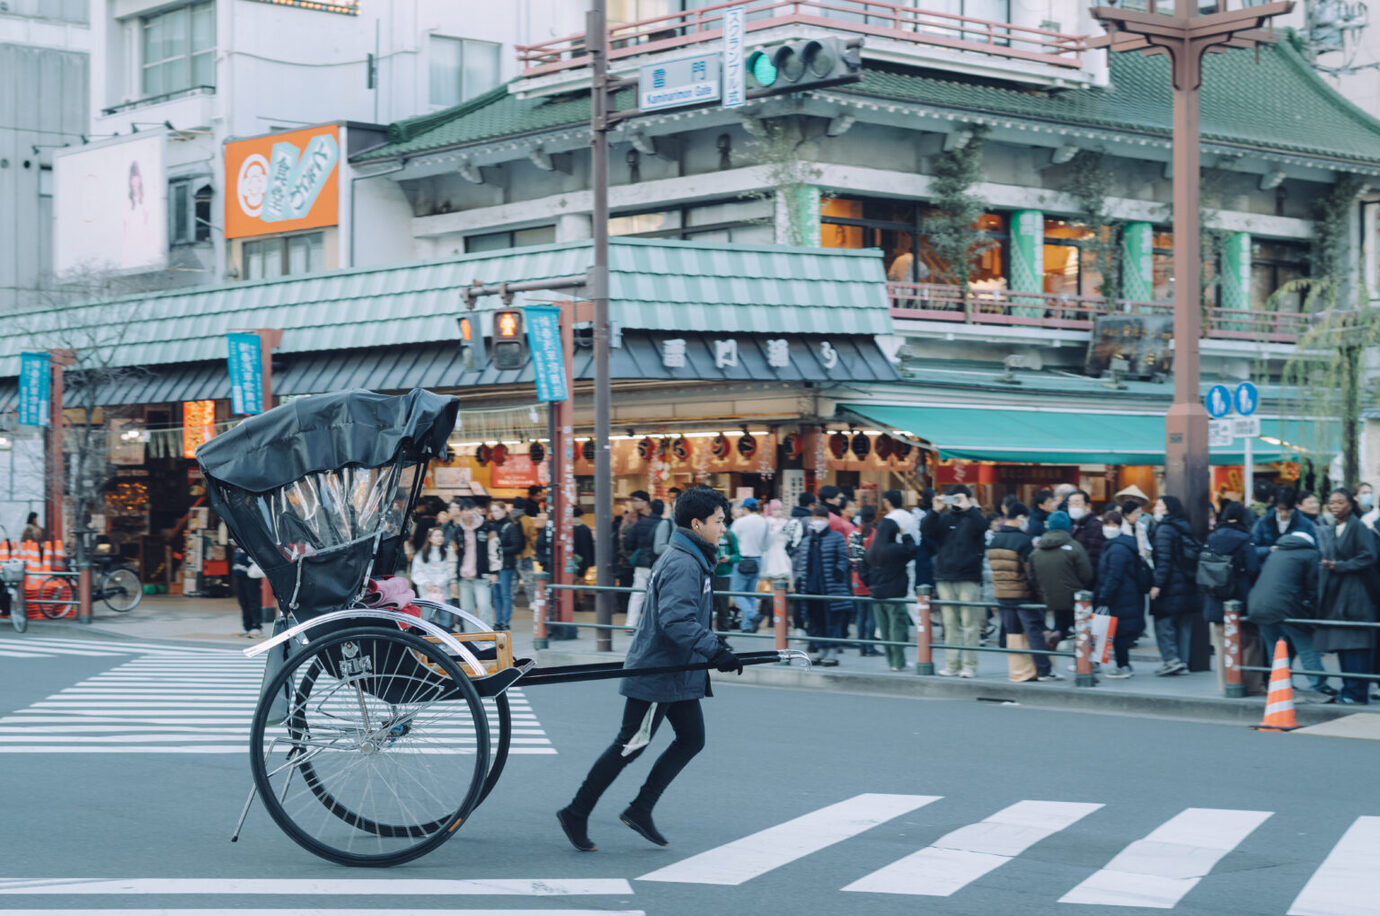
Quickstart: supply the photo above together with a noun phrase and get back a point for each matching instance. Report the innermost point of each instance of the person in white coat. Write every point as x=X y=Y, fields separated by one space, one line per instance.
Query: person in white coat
x=433 y=568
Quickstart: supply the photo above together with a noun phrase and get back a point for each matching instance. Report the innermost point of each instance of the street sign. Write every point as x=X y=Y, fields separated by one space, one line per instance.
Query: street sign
x=1245 y=399
x=34 y=381
x=688 y=81
x=1220 y=434
x=548 y=356
x=246 y=373
x=1244 y=426
x=735 y=88
x=1218 y=401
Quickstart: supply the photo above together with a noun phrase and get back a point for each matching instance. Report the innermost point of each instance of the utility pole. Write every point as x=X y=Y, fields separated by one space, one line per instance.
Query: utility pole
x=1185 y=37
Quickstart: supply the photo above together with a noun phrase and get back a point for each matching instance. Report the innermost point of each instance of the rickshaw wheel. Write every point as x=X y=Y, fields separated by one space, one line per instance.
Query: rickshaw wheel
x=361 y=770
x=504 y=715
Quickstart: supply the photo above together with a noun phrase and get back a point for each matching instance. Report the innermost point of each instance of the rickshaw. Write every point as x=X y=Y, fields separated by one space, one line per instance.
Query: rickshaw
x=379 y=728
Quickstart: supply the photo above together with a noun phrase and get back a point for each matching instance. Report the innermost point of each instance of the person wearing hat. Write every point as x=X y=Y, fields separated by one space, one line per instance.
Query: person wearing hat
x=751 y=531
x=1059 y=567
x=958 y=533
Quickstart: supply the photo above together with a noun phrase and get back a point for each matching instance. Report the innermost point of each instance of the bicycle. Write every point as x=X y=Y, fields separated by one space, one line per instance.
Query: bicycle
x=118 y=587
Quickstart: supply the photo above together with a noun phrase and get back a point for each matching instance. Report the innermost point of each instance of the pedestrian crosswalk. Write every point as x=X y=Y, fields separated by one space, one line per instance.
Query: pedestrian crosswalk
x=1157 y=871
x=184 y=700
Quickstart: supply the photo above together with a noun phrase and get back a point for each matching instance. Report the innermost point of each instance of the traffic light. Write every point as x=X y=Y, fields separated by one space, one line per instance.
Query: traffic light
x=509 y=345
x=467 y=343
x=796 y=65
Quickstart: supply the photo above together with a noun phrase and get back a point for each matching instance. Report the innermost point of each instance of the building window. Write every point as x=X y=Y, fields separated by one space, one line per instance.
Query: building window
x=1273 y=264
x=897 y=227
x=747 y=221
x=189 y=212
x=179 y=49
x=517 y=238
x=462 y=69
x=284 y=255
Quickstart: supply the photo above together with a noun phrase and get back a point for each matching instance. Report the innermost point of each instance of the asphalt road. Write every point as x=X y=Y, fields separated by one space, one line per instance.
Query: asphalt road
x=804 y=801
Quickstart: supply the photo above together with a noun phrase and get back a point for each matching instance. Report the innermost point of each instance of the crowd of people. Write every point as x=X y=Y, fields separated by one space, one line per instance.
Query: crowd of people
x=1009 y=576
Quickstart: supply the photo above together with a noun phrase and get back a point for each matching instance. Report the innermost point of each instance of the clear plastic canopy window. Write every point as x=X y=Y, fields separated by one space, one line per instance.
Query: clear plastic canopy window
x=328 y=509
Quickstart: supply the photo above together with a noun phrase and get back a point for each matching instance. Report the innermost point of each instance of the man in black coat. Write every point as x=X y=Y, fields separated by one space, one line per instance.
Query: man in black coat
x=640 y=543
x=1045 y=503
x=1284 y=518
x=675 y=632
x=958 y=533
x=1288 y=587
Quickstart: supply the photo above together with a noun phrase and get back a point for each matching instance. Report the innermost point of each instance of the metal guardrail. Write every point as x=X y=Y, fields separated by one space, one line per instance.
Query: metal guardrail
x=1231 y=638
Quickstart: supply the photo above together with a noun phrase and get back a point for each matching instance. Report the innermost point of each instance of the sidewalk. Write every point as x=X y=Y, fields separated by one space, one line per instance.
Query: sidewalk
x=1191 y=696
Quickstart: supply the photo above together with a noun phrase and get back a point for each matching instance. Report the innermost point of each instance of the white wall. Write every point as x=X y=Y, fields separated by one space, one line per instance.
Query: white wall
x=21 y=483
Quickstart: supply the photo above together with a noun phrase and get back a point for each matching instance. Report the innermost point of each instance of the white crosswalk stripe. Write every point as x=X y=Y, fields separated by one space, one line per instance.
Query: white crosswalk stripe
x=1348 y=882
x=53 y=647
x=176 y=700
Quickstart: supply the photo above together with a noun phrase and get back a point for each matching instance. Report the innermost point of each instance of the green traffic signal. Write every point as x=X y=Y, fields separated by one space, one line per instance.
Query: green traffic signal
x=762 y=68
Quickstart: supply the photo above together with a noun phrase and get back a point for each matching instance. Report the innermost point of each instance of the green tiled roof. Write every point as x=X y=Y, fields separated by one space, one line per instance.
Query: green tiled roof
x=653 y=285
x=1277 y=104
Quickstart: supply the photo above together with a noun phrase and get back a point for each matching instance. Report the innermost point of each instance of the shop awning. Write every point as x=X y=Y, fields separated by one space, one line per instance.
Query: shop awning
x=1032 y=435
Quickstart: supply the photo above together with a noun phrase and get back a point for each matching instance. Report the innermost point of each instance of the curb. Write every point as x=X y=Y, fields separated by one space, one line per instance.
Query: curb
x=1084 y=699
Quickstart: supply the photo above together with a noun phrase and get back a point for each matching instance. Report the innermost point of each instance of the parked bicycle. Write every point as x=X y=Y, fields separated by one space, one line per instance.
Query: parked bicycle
x=113 y=582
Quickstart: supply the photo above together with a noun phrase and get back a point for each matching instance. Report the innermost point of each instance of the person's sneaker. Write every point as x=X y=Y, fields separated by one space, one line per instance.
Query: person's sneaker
x=641 y=822
x=1167 y=668
x=1052 y=676
x=829 y=661
x=968 y=672
x=1121 y=672
x=1177 y=667
x=576 y=830
x=947 y=672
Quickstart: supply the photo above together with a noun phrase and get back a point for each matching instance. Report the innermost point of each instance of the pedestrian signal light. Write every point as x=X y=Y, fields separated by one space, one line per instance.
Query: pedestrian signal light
x=466 y=344
x=509 y=349
x=797 y=65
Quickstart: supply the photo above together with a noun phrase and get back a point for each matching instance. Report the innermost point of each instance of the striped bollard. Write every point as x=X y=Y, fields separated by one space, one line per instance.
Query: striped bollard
x=1083 y=662
x=924 y=655
x=1231 y=654
x=778 y=610
x=540 y=602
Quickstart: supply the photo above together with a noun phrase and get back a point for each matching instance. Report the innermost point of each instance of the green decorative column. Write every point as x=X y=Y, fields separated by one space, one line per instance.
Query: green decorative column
x=1028 y=260
x=797 y=215
x=1138 y=262
x=1236 y=278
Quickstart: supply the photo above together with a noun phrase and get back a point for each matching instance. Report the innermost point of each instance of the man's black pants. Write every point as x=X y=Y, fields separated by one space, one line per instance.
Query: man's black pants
x=687 y=719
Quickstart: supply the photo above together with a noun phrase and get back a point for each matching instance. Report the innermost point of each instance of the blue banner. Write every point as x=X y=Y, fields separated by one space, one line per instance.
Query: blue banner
x=246 y=374
x=548 y=356
x=35 y=378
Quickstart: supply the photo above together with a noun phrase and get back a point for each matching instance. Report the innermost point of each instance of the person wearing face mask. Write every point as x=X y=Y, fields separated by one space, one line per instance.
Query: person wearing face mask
x=1348 y=555
x=1008 y=554
x=1059 y=569
x=1136 y=523
x=1365 y=498
x=1231 y=538
x=1175 y=594
x=958 y=532
x=1087 y=527
x=821 y=568
x=1123 y=580
x=1284 y=519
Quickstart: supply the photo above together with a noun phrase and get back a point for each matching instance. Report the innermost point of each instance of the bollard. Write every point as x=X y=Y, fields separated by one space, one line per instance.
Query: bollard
x=1231 y=654
x=778 y=609
x=542 y=600
x=1083 y=664
x=924 y=655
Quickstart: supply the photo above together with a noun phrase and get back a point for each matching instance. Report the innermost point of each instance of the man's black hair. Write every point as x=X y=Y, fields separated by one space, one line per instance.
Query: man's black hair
x=868 y=514
x=699 y=502
x=577 y=510
x=467 y=503
x=1286 y=497
x=1043 y=496
x=1016 y=510
x=640 y=494
x=894 y=498
x=658 y=507
x=805 y=499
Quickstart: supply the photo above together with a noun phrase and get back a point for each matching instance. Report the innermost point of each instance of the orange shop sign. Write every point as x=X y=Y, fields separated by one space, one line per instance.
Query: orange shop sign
x=198 y=425
x=283 y=182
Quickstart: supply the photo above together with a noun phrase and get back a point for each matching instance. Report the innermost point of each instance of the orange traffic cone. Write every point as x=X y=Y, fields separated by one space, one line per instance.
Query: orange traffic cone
x=1279 y=705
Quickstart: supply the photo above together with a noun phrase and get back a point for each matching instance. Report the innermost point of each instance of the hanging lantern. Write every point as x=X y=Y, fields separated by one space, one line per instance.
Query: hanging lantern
x=747 y=445
x=838 y=444
x=680 y=448
x=793 y=446
x=587 y=449
x=861 y=445
x=537 y=452
x=883 y=447
x=646 y=449
x=901 y=450
x=719 y=446
x=483 y=454
x=499 y=454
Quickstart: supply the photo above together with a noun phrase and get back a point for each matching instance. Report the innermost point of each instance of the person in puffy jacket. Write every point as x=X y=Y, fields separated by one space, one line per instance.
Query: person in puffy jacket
x=1175 y=595
x=1008 y=555
x=887 y=558
x=958 y=534
x=1231 y=538
x=1288 y=587
x=1283 y=518
x=674 y=631
x=821 y=568
x=1059 y=569
x=1119 y=589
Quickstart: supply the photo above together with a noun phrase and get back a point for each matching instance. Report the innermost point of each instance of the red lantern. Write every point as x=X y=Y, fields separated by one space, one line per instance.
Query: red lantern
x=680 y=448
x=901 y=450
x=838 y=445
x=793 y=446
x=587 y=449
x=483 y=454
x=646 y=449
x=883 y=447
x=719 y=447
x=499 y=454
x=861 y=445
x=747 y=445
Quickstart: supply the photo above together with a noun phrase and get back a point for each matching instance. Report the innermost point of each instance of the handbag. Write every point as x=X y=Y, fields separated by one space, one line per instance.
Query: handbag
x=1103 y=631
x=749 y=566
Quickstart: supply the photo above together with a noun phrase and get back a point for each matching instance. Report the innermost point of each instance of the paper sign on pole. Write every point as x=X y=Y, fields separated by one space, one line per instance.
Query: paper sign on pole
x=34 y=381
x=246 y=374
x=548 y=356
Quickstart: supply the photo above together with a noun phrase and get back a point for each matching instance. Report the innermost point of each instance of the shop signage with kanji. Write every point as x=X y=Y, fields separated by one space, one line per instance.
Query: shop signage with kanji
x=34 y=380
x=246 y=374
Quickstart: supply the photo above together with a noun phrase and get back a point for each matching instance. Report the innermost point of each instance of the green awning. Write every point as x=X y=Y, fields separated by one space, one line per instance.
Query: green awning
x=1032 y=435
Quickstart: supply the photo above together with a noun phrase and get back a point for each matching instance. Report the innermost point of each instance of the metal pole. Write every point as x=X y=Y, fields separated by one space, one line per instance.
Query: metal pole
x=597 y=42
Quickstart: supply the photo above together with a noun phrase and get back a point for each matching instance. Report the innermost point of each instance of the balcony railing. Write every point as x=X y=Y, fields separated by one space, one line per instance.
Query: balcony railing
x=863 y=17
x=936 y=302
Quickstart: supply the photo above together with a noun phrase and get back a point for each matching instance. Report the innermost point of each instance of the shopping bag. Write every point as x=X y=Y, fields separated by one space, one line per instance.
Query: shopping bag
x=1020 y=667
x=1103 y=629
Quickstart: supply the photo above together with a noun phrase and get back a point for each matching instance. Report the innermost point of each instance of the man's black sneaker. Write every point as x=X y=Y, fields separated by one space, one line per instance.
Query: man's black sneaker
x=641 y=821
x=576 y=830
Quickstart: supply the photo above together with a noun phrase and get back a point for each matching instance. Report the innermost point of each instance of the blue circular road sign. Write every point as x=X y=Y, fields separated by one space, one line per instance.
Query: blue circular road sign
x=1218 y=401
x=1245 y=399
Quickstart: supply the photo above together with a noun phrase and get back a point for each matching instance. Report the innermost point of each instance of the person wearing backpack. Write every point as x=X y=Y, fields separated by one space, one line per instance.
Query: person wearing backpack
x=1288 y=588
x=1123 y=580
x=1174 y=596
x=1227 y=568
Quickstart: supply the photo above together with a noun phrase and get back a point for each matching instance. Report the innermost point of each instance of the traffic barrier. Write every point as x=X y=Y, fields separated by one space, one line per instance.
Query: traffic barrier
x=779 y=624
x=1231 y=650
x=59 y=556
x=1279 y=705
x=924 y=652
x=32 y=579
